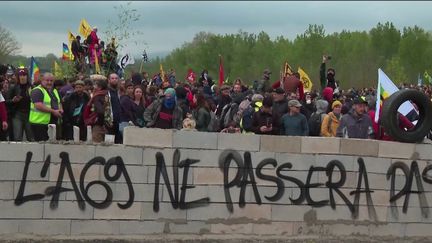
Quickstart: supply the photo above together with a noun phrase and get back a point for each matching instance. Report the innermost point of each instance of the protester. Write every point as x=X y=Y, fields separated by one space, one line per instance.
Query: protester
x=266 y=121
x=356 y=124
x=100 y=104
x=114 y=94
x=20 y=107
x=73 y=107
x=201 y=113
x=330 y=122
x=45 y=107
x=164 y=112
x=294 y=123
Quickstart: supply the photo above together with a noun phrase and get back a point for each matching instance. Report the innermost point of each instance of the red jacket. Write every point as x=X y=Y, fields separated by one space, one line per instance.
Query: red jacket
x=403 y=123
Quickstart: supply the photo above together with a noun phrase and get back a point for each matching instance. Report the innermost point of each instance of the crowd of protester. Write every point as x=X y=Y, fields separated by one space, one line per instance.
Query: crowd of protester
x=109 y=104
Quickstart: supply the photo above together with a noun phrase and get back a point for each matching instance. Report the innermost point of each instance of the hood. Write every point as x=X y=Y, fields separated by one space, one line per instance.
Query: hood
x=321 y=106
x=327 y=94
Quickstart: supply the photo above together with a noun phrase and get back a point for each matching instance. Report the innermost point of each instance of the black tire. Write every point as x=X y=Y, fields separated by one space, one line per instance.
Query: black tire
x=389 y=117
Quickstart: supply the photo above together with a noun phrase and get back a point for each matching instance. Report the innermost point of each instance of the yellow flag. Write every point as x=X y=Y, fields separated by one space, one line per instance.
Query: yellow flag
x=97 y=67
x=71 y=37
x=84 y=28
x=57 y=70
x=287 y=70
x=162 y=73
x=307 y=82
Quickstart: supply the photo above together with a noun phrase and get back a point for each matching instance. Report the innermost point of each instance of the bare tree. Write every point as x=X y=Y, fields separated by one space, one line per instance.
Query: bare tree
x=8 y=44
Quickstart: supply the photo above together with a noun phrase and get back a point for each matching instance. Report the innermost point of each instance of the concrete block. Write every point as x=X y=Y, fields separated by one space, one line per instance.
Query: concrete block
x=359 y=147
x=213 y=211
x=148 y=137
x=191 y=227
x=9 y=226
x=298 y=161
x=248 y=142
x=39 y=187
x=114 y=212
x=252 y=212
x=396 y=215
x=207 y=158
x=274 y=228
x=166 y=212
x=7 y=190
x=394 y=230
x=141 y=227
x=95 y=227
x=52 y=132
x=13 y=171
x=28 y=210
x=149 y=155
x=377 y=165
x=320 y=145
x=45 y=227
x=424 y=151
x=423 y=230
x=350 y=180
x=232 y=228
x=198 y=140
x=217 y=194
x=192 y=194
x=396 y=150
x=67 y=210
x=289 y=213
x=339 y=213
x=258 y=157
x=91 y=175
x=17 y=151
x=76 y=134
x=152 y=175
x=209 y=176
x=281 y=144
x=77 y=153
x=377 y=182
x=348 y=229
x=129 y=155
x=137 y=174
x=143 y=192
x=349 y=162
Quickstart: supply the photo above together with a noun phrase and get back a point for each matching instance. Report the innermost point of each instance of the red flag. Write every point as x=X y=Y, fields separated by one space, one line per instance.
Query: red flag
x=191 y=76
x=221 y=71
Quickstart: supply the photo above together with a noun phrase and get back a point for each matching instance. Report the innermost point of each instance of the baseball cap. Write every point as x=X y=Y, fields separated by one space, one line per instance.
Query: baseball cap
x=295 y=103
x=359 y=100
x=267 y=71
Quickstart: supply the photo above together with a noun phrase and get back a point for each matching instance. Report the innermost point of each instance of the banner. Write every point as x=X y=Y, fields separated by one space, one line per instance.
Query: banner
x=386 y=88
x=307 y=82
x=221 y=71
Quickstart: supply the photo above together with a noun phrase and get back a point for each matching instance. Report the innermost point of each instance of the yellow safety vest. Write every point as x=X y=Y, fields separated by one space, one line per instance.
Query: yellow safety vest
x=40 y=117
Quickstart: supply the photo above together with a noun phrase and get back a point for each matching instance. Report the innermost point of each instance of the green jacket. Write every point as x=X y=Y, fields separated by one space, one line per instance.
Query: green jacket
x=151 y=114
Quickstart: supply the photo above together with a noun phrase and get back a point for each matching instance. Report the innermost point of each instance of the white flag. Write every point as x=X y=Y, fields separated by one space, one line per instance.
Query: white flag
x=386 y=88
x=125 y=60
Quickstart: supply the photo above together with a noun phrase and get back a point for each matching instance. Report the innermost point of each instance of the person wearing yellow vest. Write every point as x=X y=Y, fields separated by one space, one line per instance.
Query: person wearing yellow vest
x=45 y=107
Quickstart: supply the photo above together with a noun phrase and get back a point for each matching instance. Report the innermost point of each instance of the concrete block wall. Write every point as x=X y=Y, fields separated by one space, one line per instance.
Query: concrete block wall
x=293 y=194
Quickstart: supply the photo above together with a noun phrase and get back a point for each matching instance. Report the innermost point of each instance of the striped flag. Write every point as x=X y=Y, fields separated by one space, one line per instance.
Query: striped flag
x=66 y=53
x=34 y=71
x=386 y=88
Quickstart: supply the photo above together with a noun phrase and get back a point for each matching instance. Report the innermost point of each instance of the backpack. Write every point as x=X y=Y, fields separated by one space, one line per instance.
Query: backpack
x=213 y=125
x=227 y=114
x=314 y=123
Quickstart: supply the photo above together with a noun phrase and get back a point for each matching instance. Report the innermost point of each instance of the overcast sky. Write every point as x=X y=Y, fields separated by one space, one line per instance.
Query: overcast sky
x=41 y=27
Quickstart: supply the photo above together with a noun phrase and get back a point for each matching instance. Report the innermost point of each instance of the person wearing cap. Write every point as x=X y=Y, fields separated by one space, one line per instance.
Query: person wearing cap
x=280 y=102
x=73 y=107
x=265 y=121
x=356 y=123
x=330 y=122
x=223 y=99
x=294 y=123
x=247 y=116
x=20 y=106
x=164 y=112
